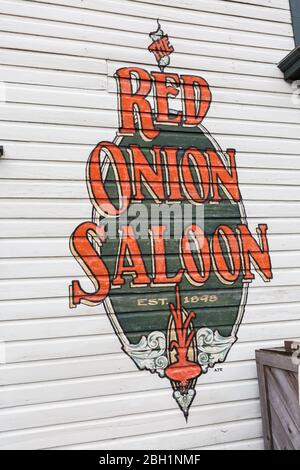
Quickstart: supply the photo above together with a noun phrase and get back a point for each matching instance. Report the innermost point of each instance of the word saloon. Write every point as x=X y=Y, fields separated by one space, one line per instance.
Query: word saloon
x=227 y=253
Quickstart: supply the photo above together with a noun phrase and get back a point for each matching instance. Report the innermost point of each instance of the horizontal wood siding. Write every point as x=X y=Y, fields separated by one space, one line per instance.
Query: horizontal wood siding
x=65 y=382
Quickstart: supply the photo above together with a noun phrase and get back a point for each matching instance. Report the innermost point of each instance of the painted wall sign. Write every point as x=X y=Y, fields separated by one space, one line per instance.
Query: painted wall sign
x=168 y=247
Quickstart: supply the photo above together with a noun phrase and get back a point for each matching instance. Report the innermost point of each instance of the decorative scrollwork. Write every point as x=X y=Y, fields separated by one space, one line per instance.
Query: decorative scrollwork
x=150 y=352
x=212 y=347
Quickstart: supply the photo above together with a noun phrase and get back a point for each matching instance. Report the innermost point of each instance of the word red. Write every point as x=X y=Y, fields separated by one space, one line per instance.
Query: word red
x=135 y=111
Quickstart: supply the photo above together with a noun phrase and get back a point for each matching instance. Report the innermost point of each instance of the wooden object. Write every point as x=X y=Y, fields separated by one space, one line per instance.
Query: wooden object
x=279 y=393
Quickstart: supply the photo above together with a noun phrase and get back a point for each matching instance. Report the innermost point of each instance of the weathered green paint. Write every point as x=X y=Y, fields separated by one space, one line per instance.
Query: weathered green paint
x=135 y=318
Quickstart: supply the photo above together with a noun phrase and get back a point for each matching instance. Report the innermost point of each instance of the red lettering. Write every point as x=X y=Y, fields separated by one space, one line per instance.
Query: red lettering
x=135 y=105
x=221 y=176
x=226 y=274
x=165 y=86
x=257 y=253
x=143 y=172
x=192 y=85
x=199 y=162
x=84 y=252
x=98 y=194
x=196 y=276
x=130 y=252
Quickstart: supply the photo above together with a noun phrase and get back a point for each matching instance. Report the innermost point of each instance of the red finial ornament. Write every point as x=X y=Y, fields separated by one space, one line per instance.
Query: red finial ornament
x=161 y=47
x=183 y=370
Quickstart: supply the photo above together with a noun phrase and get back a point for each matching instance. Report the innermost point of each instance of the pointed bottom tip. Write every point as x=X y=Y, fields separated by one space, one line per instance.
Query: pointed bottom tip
x=184 y=401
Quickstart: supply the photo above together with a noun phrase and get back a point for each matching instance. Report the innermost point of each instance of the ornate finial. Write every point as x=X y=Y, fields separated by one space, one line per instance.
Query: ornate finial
x=158 y=34
x=183 y=369
x=161 y=47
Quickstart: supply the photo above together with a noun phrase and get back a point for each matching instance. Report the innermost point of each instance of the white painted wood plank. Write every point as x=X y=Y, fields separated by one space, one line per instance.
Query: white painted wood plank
x=260 y=122
x=59 y=247
x=137 y=39
x=67 y=267
x=86 y=81
x=49 y=151
x=180 y=440
x=34 y=189
x=64 y=369
x=84 y=367
x=30 y=330
x=219 y=79
x=94 y=365
x=246 y=160
x=268 y=331
x=92 y=346
x=144 y=25
x=64 y=228
x=72 y=115
x=26 y=170
x=212 y=41
x=50 y=61
x=153 y=421
x=46 y=349
x=17 y=208
x=39 y=248
x=81 y=209
x=250 y=128
x=78 y=155
x=186 y=16
x=59 y=308
x=52 y=78
x=54 y=328
x=79 y=80
x=252 y=444
x=49 y=308
x=139 y=56
x=49 y=189
x=229 y=103
x=84 y=135
x=227 y=8
x=126 y=394
x=98 y=324
x=246 y=351
x=281 y=4
x=64 y=435
x=16 y=43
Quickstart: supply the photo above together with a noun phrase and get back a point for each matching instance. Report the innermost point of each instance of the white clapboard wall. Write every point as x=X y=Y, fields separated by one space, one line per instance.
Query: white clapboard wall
x=65 y=382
